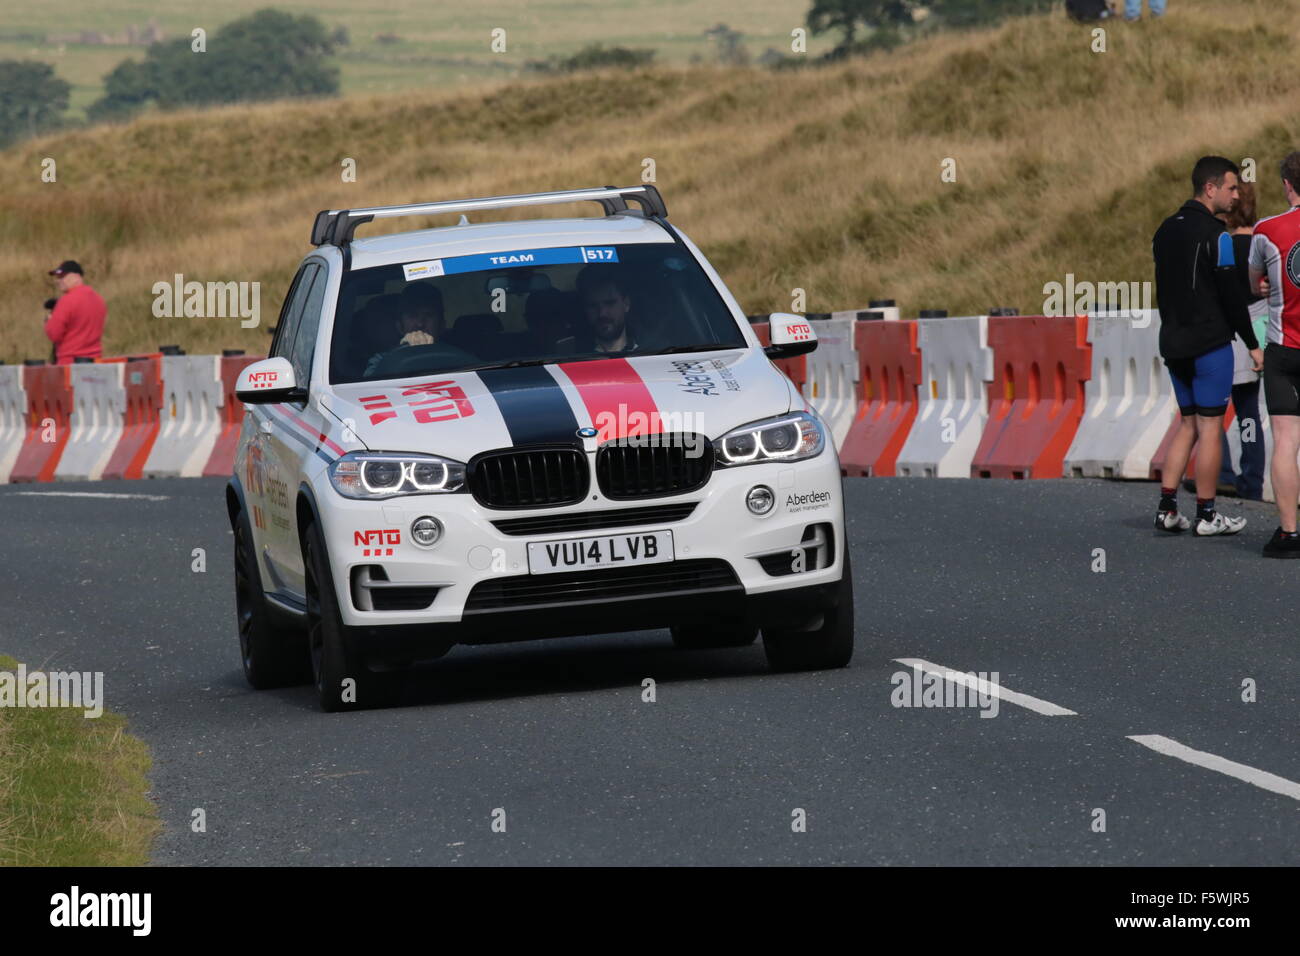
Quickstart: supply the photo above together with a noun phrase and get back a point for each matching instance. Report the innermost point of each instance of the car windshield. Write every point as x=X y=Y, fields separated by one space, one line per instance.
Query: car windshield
x=526 y=306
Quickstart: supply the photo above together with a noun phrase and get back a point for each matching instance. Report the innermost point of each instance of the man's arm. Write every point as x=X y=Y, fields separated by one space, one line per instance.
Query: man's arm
x=1231 y=297
x=1258 y=263
x=56 y=326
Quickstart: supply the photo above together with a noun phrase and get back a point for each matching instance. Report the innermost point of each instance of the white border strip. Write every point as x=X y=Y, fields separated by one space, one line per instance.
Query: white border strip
x=1044 y=707
x=1260 y=778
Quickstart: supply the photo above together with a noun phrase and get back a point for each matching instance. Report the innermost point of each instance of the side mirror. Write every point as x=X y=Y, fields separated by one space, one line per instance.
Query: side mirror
x=268 y=382
x=790 y=335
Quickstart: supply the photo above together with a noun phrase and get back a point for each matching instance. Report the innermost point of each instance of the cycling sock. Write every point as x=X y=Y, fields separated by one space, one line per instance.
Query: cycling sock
x=1169 y=499
x=1204 y=509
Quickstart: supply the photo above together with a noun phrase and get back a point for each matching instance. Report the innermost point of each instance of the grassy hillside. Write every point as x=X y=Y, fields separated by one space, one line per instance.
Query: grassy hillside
x=826 y=180
x=423 y=43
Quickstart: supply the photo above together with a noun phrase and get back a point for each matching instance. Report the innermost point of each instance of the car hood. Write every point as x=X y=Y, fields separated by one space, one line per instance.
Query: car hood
x=459 y=414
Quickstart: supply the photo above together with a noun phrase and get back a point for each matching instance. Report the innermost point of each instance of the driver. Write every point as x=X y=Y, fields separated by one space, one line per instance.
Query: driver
x=606 y=304
x=420 y=321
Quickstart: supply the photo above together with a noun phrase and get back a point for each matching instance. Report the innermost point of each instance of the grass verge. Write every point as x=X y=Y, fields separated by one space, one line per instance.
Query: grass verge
x=72 y=789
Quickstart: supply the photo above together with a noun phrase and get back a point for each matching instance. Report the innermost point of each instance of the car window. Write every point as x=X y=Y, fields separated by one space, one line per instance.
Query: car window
x=555 y=304
x=287 y=328
x=304 y=342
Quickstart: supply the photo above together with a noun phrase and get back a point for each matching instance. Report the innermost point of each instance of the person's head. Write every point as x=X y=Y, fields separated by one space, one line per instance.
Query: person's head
x=1215 y=183
x=69 y=275
x=605 y=302
x=1242 y=215
x=419 y=308
x=1291 y=178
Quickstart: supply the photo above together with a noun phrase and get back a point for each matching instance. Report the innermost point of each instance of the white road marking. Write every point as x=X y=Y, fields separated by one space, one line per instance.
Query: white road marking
x=1047 y=708
x=92 y=494
x=1260 y=778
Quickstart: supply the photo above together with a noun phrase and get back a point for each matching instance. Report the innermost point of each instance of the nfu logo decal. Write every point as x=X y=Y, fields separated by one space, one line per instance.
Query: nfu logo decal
x=430 y=402
x=378 y=538
x=262 y=379
x=798 y=331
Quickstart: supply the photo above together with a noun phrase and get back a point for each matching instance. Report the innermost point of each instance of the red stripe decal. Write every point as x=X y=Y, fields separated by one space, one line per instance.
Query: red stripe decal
x=319 y=436
x=618 y=401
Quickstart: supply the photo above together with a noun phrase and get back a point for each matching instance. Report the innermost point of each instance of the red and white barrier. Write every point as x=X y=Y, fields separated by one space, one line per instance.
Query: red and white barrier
x=95 y=428
x=191 y=416
x=13 y=417
x=945 y=397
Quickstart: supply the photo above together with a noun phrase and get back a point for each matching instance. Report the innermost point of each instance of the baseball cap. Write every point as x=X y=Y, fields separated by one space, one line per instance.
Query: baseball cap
x=66 y=266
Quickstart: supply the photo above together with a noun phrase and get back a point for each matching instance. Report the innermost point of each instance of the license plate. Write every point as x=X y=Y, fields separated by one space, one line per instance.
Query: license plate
x=606 y=551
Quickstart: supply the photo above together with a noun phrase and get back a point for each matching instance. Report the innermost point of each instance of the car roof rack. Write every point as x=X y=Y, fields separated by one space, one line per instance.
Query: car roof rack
x=336 y=226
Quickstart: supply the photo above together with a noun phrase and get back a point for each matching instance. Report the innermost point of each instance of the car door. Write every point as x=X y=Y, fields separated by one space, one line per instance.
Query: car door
x=284 y=438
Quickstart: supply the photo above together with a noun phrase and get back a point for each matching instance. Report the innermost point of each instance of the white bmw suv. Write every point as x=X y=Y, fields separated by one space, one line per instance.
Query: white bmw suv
x=514 y=430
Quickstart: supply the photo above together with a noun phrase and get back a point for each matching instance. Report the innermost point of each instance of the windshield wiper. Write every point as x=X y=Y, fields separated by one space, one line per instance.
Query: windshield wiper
x=517 y=363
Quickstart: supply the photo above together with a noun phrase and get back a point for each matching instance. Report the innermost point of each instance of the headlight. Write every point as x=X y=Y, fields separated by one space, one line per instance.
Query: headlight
x=367 y=474
x=792 y=437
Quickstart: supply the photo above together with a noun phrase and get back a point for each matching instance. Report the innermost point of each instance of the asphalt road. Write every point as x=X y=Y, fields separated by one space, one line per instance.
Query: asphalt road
x=982 y=576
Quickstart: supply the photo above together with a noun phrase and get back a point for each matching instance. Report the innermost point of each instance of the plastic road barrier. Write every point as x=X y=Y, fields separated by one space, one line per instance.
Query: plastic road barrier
x=13 y=417
x=1129 y=401
x=889 y=373
x=98 y=412
x=191 y=416
x=142 y=385
x=222 y=460
x=832 y=386
x=49 y=405
x=957 y=366
x=1040 y=366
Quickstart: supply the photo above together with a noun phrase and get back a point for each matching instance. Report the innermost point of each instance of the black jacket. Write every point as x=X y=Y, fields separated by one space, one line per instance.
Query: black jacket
x=1199 y=290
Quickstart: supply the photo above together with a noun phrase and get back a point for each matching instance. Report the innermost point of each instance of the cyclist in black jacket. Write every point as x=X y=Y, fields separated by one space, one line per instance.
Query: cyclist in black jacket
x=1202 y=305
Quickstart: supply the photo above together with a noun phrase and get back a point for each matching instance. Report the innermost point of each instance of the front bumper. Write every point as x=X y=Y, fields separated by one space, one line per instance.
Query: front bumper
x=363 y=536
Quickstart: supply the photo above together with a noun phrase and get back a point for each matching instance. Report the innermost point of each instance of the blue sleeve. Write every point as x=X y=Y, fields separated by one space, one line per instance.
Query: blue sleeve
x=1227 y=258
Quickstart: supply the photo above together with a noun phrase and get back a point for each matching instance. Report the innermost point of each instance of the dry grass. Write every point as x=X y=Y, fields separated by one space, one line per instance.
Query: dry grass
x=72 y=789
x=826 y=180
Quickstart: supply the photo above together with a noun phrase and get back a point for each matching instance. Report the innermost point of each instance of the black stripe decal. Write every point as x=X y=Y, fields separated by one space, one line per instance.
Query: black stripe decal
x=532 y=404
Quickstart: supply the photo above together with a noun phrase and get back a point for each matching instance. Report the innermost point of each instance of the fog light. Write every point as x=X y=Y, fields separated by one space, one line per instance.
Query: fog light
x=760 y=500
x=426 y=531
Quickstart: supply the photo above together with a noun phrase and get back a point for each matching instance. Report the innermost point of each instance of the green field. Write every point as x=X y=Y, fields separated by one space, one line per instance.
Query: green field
x=436 y=44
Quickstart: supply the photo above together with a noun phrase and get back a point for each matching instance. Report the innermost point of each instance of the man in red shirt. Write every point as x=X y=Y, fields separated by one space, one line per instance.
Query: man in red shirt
x=77 y=324
x=1275 y=257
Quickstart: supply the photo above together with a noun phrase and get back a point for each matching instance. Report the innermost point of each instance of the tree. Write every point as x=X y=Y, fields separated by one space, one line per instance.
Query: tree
x=728 y=45
x=592 y=57
x=32 y=99
x=266 y=55
x=848 y=15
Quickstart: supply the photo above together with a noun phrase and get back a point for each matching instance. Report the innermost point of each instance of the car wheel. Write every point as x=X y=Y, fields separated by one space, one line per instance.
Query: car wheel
x=829 y=645
x=272 y=655
x=706 y=635
x=333 y=660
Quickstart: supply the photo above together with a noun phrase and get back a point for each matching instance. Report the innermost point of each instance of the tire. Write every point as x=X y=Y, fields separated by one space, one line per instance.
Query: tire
x=272 y=655
x=827 y=646
x=333 y=659
x=706 y=635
